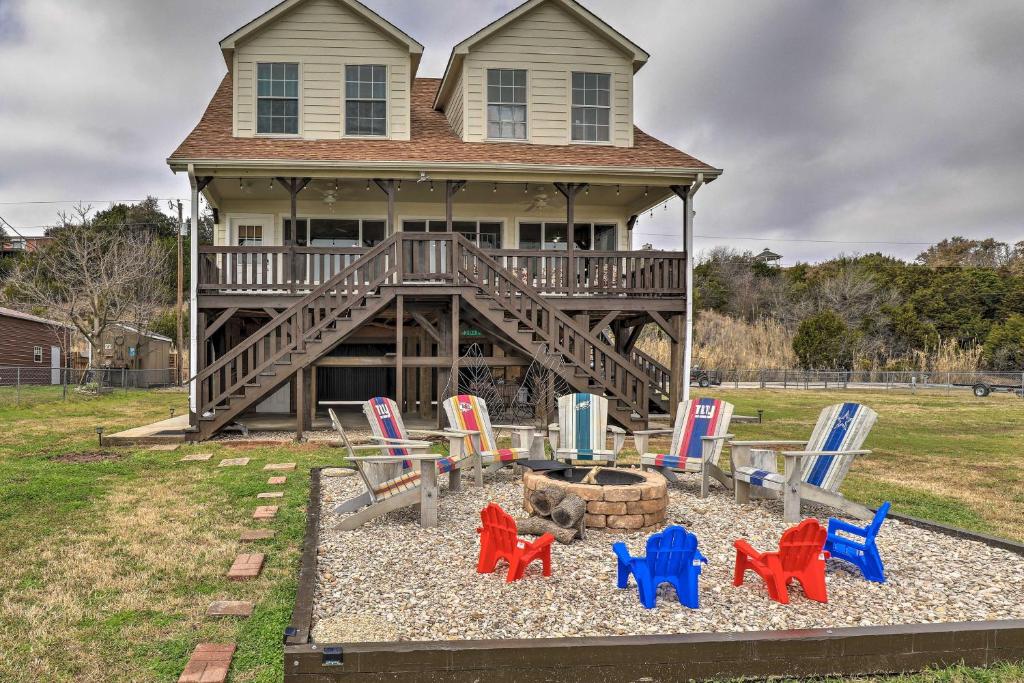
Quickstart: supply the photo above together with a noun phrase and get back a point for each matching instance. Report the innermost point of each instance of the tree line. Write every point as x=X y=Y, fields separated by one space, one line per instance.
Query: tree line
x=960 y=298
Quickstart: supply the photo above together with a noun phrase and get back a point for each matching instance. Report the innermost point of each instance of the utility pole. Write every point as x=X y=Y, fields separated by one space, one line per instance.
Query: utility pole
x=181 y=283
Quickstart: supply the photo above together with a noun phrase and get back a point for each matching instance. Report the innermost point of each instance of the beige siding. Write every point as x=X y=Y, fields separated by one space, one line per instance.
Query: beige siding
x=322 y=36
x=454 y=109
x=550 y=44
x=511 y=214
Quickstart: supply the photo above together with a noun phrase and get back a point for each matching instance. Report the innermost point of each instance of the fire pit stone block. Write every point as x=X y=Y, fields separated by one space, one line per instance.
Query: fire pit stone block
x=638 y=506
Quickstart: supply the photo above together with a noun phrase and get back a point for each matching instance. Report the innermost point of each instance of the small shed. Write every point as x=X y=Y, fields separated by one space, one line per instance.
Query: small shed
x=145 y=356
x=33 y=350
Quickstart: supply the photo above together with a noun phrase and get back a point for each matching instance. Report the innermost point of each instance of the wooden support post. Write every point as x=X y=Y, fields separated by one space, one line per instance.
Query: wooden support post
x=686 y=194
x=444 y=374
x=388 y=188
x=400 y=353
x=451 y=187
x=425 y=376
x=456 y=338
x=301 y=403
x=678 y=383
x=569 y=191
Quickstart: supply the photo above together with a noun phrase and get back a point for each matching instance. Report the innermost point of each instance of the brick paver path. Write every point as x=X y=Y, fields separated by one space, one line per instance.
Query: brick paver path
x=283 y=466
x=229 y=608
x=256 y=534
x=233 y=462
x=271 y=494
x=209 y=663
x=265 y=512
x=277 y=480
x=246 y=566
x=164 y=447
x=197 y=457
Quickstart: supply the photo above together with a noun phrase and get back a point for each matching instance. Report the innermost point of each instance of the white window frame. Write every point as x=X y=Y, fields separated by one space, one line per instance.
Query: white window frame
x=37 y=354
x=257 y=98
x=314 y=217
x=610 y=108
x=500 y=221
x=251 y=225
x=592 y=223
x=345 y=99
x=525 y=105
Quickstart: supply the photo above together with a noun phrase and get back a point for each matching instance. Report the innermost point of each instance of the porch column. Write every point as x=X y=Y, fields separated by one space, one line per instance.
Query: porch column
x=569 y=191
x=194 y=366
x=686 y=194
x=294 y=187
x=388 y=188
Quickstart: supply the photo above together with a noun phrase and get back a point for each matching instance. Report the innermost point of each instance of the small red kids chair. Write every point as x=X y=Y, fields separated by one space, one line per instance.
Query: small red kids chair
x=801 y=556
x=499 y=539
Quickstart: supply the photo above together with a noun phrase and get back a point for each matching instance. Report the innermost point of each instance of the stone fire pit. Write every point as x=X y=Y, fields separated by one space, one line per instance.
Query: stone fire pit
x=621 y=499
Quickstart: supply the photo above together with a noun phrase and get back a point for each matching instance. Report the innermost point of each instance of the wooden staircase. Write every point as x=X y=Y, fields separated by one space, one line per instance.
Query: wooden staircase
x=527 y=319
x=660 y=378
x=299 y=335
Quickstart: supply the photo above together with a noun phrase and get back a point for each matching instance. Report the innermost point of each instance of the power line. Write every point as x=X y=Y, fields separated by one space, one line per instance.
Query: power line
x=783 y=239
x=97 y=201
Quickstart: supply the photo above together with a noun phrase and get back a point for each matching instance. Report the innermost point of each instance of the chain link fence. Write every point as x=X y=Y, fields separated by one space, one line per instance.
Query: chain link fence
x=980 y=383
x=24 y=386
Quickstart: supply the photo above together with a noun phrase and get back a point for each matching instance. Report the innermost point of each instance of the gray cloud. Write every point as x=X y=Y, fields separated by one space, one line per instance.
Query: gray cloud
x=845 y=120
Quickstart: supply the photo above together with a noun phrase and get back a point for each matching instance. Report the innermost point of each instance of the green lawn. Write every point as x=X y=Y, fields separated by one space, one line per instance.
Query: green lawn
x=109 y=566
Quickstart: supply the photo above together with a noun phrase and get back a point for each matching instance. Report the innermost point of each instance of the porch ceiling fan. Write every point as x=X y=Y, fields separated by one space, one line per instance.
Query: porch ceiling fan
x=540 y=201
x=331 y=192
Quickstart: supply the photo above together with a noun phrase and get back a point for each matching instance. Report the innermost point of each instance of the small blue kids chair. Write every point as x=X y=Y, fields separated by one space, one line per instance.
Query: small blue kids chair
x=864 y=555
x=672 y=557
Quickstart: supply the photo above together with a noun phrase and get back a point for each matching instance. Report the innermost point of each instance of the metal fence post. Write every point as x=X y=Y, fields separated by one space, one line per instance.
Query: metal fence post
x=124 y=379
x=17 y=388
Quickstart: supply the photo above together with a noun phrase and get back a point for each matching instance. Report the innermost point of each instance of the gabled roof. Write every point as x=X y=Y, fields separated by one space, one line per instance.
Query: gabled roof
x=433 y=145
x=227 y=45
x=11 y=313
x=598 y=25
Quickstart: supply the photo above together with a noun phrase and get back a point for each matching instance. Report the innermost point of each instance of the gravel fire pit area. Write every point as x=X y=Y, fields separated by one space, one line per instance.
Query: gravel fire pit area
x=392 y=580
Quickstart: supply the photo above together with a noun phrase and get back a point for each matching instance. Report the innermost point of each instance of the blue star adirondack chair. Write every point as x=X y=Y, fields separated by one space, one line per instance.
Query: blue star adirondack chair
x=813 y=473
x=862 y=554
x=672 y=557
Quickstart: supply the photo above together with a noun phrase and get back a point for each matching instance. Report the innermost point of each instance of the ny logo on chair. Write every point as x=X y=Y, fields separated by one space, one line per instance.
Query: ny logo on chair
x=801 y=556
x=672 y=557
x=582 y=430
x=814 y=473
x=698 y=436
x=469 y=415
x=499 y=539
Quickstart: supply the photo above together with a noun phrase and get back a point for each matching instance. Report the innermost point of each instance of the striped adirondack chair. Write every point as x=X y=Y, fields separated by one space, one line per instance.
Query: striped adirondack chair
x=698 y=436
x=814 y=473
x=387 y=426
x=582 y=430
x=468 y=414
x=391 y=481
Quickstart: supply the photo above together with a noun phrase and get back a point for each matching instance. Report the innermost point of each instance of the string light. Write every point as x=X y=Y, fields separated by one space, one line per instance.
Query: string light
x=645 y=190
x=526 y=188
x=399 y=185
x=367 y=185
x=495 y=187
x=271 y=186
x=618 y=190
x=431 y=185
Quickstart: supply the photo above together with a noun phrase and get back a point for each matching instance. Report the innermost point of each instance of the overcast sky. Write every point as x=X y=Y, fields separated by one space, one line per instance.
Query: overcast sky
x=885 y=121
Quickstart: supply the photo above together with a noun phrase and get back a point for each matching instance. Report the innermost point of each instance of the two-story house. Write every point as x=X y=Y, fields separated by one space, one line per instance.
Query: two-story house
x=371 y=223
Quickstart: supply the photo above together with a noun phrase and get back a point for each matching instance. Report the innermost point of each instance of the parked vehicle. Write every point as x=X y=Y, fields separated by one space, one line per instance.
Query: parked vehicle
x=704 y=378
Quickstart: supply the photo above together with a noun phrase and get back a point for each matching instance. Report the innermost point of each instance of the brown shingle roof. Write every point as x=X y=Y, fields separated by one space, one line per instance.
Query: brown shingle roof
x=432 y=141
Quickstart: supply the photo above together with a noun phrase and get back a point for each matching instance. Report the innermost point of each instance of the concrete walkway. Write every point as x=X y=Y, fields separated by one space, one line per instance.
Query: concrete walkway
x=171 y=430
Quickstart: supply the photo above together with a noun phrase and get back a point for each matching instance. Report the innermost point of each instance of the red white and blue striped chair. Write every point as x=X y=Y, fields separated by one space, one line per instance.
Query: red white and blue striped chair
x=815 y=472
x=468 y=415
x=387 y=426
x=700 y=431
x=582 y=430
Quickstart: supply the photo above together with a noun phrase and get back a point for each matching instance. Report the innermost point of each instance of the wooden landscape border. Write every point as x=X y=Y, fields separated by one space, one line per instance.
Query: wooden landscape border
x=750 y=654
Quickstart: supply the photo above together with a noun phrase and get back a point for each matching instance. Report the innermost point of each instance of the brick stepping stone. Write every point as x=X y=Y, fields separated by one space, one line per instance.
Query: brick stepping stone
x=164 y=447
x=246 y=566
x=271 y=494
x=277 y=480
x=265 y=512
x=197 y=457
x=209 y=663
x=229 y=608
x=282 y=466
x=233 y=462
x=256 y=534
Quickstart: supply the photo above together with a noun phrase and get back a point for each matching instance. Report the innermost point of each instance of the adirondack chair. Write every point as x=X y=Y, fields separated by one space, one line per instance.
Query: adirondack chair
x=672 y=557
x=390 y=485
x=582 y=430
x=698 y=436
x=814 y=473
x=801 y=556
x=388 y=428
x=469 y=415
x=862 y=554
x=499 y=539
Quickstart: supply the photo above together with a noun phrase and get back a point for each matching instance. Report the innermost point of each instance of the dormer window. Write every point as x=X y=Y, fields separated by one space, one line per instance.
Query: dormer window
x=506 y=104
x=277 y=95
x=591 y=107
x=366 y=100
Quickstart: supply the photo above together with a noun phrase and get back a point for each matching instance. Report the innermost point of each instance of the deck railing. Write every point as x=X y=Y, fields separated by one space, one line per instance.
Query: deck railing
x=229 y=270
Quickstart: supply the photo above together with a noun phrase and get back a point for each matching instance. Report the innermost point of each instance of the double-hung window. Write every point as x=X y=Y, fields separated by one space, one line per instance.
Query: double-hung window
x=277 y=98
x=506 y=104
x=591 y=107
x=250 y=235
x=366 y=100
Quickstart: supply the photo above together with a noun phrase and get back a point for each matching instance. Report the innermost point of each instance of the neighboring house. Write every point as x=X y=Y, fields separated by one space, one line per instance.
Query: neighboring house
x=371 y=223
x=35 y=346
x=123 y=347
x=11 y=245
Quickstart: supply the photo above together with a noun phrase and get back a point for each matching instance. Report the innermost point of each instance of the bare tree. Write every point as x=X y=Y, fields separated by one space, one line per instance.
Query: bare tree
x=91 y=279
